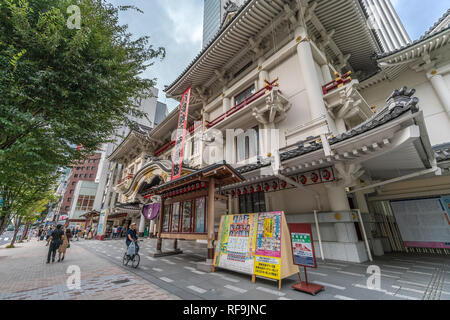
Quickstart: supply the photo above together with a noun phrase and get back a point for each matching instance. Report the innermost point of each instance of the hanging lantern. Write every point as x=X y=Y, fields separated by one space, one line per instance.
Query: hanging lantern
x=303 y=179
x=239 y=192
x=274 y=185
x=233 y=193
x=252 y=190
x=283 y=184
x=326 y=174
x=259 y=188
x=266 y=187
x=315 y=177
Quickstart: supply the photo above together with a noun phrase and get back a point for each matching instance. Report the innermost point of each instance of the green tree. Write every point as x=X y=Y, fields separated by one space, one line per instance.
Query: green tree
x=78 y=84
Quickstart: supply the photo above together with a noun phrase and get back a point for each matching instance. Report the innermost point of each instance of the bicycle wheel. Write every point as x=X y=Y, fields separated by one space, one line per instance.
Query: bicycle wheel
x=136 y=260
x=125 y=259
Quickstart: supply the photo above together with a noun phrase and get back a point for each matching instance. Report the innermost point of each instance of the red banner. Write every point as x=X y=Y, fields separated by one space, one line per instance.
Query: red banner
x=177 y=159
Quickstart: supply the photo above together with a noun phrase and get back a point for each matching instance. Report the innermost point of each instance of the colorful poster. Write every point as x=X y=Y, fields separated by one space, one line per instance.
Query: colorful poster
x=236 y=248
x=268 y=245
x=102 y=223
x=181 y=135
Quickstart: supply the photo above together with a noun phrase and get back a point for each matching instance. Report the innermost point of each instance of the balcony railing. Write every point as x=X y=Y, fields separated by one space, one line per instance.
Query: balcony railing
x=268 y=87
x=337 y=83
x=170 y=144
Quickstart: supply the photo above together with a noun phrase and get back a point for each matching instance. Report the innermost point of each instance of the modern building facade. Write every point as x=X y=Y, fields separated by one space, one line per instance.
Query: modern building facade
x=316 y=127
x=211 y=19
x=383 y=19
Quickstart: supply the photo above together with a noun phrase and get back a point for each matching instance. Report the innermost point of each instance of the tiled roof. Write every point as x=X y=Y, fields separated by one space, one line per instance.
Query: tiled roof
x=399 y=102
x=444 y=16
x=442 y=152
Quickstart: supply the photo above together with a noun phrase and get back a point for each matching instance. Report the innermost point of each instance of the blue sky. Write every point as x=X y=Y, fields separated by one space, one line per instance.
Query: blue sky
x=177 y=26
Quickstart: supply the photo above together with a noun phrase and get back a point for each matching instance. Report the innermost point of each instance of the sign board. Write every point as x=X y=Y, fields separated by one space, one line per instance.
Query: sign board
x=257 y=244
x=424 y=223
x=302 y=245
x=102 y=223
x=236 y=249
x=177 y=159
x=268 y=245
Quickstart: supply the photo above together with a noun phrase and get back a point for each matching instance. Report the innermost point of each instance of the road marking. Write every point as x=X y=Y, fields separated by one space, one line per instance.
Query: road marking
x=333 y=268
x=166 y=279
x=197 y=289
x=351 y=273
x=318 y=274
x=396 y=272
x=343 y=297
x=425 y=273
x=144 y=268
x=198 y=272
x=389 y=276
x=230 y=279
x=413 y=283
x=405 y=297
x=408 y=289
x=189 y=268
x=397 y=267
x=277 y=293
x=235 y=288
x=188 y=251
x=329 y=285
x=407 y=261
x=283 y=298
x=423 y=267
x=167 y=261
x=157 y=269
x=150 y=258
x=337 y=264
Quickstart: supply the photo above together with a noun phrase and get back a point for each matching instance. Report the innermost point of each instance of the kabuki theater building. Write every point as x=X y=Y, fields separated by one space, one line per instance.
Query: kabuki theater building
x=294 y=106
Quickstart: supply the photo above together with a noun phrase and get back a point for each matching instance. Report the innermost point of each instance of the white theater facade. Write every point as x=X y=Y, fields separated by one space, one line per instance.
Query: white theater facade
x=325 y=149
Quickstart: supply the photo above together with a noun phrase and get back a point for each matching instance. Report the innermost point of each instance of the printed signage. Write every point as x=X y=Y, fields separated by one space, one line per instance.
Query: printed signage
x=302 y=245
x=268 y=245
x=177 y=159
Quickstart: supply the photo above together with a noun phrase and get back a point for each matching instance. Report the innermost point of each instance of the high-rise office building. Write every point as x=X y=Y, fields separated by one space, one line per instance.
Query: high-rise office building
x=211 y=19
x=387 y=25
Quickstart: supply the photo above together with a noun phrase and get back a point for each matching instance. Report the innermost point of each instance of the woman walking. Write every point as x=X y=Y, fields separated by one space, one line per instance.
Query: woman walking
x=65 y=244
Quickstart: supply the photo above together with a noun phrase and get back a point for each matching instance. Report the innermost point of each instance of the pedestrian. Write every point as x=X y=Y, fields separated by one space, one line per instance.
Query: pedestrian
x=65 y=244
x=55 y=240
x=48 y=233
x=39 y=234
x=76 y=233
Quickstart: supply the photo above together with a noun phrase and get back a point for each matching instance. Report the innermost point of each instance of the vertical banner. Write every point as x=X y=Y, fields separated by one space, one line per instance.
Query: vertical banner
x=102 y=223
x=302 y=245
x=177 y=159
x=268 y=245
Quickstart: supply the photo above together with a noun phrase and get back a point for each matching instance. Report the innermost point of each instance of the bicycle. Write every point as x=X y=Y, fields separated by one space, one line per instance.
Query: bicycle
x=135 y=259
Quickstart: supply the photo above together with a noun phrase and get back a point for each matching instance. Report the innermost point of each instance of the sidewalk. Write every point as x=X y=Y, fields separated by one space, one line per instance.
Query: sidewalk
x=24 y=275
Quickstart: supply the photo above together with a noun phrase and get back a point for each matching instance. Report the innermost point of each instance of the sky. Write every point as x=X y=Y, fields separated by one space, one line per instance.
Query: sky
x=177 y=26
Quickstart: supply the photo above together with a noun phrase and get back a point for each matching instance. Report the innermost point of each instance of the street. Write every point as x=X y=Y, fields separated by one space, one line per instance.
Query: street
x=24 y=275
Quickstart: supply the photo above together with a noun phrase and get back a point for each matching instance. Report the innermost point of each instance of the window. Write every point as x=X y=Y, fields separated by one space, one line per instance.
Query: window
x=92 y=168
x=200 y=215
x=187 y=215
x=75 y=175
x=91 y=175
x=73 y=183
x=71 y=191
x=166 y=219
x=86 y=175
x=247 y=144
x=78 y=168
x=85 y=203
x=67 y=208
x=95 y=160
x=69 y=199
x=175 y=217
x=252 y=202
x=244 y=95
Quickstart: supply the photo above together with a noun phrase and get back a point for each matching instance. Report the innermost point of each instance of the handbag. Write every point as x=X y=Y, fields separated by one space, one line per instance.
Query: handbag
x=68 y=246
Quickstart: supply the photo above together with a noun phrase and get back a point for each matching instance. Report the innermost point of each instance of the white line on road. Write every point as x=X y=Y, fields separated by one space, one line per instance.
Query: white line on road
x=328 y=267
x=167 y=261
x=283 y=298
x=150 y=258
x=389 y=276
x=329 y=285
x=423 y=267
x=157 y=269
x=408 y=289
x=189 y=268
x=235 y=288
x=425 y=273
x=230 y=279
x=378 y=290
x=318 y=274
x=396 y=267
x=198 y=272
x=144 y=268
x=337 y=264
x=166 y=279
x=396 y=272
x=351 y=273
x=343 y=297
x=413 y=283
x=197 y=289
x=277 y=293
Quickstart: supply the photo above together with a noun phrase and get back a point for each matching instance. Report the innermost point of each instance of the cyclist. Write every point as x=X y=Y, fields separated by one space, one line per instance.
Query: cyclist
x=132 y=237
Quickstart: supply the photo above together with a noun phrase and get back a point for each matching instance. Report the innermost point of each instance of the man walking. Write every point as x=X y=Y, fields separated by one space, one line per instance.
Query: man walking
x=76 y=233
x=55 y=241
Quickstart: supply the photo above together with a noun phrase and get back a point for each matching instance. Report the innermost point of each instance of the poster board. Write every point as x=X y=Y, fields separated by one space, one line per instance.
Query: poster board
x=303 y=252
x=265 y=251
x=423 y=223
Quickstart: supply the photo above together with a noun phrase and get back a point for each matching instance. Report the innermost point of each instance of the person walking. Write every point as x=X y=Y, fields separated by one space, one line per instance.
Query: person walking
x=55 y=240
x=76 y=231
x=65 y=244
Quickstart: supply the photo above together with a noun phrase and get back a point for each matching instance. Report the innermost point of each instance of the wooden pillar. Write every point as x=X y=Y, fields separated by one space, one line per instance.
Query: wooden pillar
x=159 y=241
x=210 y=219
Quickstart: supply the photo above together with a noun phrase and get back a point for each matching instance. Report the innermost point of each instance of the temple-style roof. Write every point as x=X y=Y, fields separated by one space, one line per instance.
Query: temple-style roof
x=255 y=18
x=399 y=103
x=442 y=152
